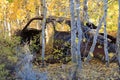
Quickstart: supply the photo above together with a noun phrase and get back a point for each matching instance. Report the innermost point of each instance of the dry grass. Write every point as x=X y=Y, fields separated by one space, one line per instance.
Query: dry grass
x=95 y=70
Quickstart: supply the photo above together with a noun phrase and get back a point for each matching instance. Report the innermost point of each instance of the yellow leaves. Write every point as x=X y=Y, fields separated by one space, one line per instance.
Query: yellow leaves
x=16 y=10
x=30 y=7
x=3 y=4
x=15 y=5
x=99 y=46
x=61 y=14
x=109 y=22
x=1 y=15
x=91 y=54
x=112 y=17
x=58 y=8
x=115 y=7
x=111 y=55
x=12 y=17
x=3 y=1
x=51 y=5
x=21 y=14
x=12 y=5
x=12 y=9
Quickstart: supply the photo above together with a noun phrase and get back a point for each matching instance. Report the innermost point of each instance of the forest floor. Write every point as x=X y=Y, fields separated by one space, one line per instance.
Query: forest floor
x=94 y=70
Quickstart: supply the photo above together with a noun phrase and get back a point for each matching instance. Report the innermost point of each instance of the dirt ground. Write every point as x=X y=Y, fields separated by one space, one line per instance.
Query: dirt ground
x=94 y=70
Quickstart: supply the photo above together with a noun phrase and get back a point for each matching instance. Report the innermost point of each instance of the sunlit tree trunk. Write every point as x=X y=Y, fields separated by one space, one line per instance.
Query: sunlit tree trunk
x=105 y=33
x=118 y=38
x=9 y=29
x=79 y=30
x=43 y=30
x=5 y=28
x=5 y=23
x=73 y=31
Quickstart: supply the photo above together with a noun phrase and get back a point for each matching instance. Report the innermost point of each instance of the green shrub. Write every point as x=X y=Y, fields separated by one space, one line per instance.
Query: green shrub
x=60 y=53
x=7 y=56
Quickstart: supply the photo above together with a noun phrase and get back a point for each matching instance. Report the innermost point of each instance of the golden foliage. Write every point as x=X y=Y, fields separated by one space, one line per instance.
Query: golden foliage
x=19 y=9
x=20 y=14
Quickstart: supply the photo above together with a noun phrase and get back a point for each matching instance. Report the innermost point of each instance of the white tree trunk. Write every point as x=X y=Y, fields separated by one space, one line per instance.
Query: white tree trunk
x=79 y=30
x=9 y=29
x=5 y=28
x=73 y=31
x=118 y=39
x=105 y=33
x=43 y=31
x=90 y=55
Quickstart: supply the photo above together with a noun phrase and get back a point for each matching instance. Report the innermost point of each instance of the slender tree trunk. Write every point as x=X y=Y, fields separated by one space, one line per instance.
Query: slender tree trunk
x=73 y=31
x=105 y=34
x=90 y=55
x=118 y=39
x=5 y=24
x=79 y=30
x=85 y=11
x=43 y=31
x=9 y=29
x=75 y=48
x=38 y=14
x=5 y=28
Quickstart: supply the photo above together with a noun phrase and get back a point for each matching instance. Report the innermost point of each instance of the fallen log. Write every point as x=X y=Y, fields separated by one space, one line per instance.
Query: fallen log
x=28 y=33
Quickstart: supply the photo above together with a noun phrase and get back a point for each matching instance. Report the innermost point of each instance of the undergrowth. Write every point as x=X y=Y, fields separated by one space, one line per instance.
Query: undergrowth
x=8 y=57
